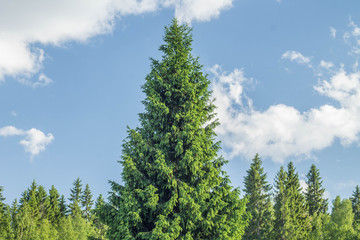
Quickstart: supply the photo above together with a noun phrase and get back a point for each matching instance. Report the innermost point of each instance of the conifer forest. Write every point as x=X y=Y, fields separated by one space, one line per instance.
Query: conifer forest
x=174 y=185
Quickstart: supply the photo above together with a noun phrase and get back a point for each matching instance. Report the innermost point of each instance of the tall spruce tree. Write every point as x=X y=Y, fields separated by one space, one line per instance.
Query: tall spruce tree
x=75 y=201
x=257 y=191
x=174 y=185
x=282 y=225
x=300 y=222
x=355 y=202
x=315 y=192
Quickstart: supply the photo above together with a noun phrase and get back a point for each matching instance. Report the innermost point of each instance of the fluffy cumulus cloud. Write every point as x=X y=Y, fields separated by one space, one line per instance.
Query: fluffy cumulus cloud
x=34 y=141
x=282 y=131
x=200 y=10
x=53 y=22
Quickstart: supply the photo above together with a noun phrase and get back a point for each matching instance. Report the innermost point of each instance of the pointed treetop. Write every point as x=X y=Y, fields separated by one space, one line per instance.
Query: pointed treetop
x=355 y=202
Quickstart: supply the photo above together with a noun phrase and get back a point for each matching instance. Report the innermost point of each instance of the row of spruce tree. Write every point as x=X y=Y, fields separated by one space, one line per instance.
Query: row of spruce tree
x=290 y=212
x=42 y=215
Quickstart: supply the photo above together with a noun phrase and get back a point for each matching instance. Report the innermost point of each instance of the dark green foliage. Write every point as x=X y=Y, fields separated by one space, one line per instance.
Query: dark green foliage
x=54 y=211
x=282 y=226
x=292 y=219
x=29 y=198
x=355 y=202
x=5 y=218
x=42 y=201
x=315 y=192
x=99 y=227
x=257 y=192
x=14 y=211
x=87 y=202
x=75 y=201
x=300 y=221
x=174 y=184
x=62 y=206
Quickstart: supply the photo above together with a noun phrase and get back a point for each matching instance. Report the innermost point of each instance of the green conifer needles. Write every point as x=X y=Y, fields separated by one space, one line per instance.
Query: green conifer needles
x=174 y=185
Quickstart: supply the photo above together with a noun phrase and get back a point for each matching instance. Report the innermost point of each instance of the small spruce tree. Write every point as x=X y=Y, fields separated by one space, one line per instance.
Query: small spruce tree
x=257 y=191
x=54 y=212
x=62 y=206
x=315 y=192
x=87 y=202
x=355 y=203
x=174 y=185
x=75 y=201
x=99 y=227
x=342 y=217
x=5 y=218
x=42 y=201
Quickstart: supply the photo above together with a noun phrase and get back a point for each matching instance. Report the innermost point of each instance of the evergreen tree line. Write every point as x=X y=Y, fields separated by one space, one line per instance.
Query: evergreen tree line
x=42 y=215
x=290 y=212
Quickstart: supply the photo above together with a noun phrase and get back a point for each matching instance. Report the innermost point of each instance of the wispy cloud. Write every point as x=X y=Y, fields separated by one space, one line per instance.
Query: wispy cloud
x=295 y=56
x=13 y=113
x=58 y=22
x=352 y=37
x=325 y=64
x=42 y=81
x=34 y=142
x=346 y=184
x=332 y=32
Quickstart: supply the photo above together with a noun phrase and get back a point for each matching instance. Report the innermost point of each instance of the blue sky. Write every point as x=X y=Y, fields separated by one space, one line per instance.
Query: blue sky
x=285 y=75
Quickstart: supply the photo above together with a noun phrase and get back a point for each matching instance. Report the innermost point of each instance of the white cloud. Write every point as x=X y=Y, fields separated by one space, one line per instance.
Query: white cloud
x=303 y=186
x=326 y=65
x=50 y=22
x=352 y=37
x=200 y=10
x=42 y=81
x=282 y=131
x=297 y=57
x=332 y=32
x=10 y=131
x=347 y=184
x=13 y=113
x=356 y=29
x=34 y=142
